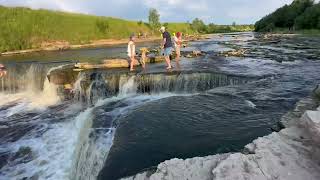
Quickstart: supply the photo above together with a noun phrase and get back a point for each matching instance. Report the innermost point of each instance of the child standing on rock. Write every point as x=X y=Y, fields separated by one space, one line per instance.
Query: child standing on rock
x=132 y=51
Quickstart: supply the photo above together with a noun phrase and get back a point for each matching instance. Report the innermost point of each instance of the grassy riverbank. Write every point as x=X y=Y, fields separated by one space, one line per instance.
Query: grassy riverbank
x=23 y=28
x=33 y=30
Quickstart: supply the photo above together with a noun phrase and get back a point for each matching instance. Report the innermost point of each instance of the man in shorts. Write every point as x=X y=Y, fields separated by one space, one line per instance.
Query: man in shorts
x=167 y=46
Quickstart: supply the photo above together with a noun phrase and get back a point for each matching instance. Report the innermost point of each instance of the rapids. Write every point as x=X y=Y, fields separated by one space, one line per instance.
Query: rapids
x=118 y=124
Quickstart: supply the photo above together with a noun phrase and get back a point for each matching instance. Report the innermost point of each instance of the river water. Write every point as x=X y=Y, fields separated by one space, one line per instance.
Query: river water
x=119 y=124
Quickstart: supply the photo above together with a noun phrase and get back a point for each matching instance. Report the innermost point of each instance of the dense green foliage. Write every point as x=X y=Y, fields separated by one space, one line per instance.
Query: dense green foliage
x=154 y=19
x=213 y=28
x=179 y=27
x=199 y=26
x=310 y=19
x=301 y=14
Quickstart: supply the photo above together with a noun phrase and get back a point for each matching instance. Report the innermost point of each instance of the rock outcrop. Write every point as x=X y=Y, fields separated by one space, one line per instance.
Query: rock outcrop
x=235 y=53
x=291 y=154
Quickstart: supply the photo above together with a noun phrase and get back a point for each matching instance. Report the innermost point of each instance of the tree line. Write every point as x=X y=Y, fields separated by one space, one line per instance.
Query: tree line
x=299 y=15
x=198 y=25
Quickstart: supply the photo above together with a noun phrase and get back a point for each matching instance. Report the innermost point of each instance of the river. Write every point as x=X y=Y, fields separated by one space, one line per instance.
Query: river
x=122 y=123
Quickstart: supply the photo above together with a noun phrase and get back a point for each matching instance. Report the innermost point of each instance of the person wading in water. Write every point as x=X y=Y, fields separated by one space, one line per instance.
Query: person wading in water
x=166 y=46
x=132 y=51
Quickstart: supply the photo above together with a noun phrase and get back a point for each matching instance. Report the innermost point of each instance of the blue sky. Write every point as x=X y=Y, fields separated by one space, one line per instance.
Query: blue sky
x=216 y=11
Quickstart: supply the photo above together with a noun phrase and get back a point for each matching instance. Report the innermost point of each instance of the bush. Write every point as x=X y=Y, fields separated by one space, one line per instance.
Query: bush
x=102 y=25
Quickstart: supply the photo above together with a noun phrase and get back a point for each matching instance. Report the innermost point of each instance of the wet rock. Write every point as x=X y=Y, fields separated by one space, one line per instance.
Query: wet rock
x=193 y=54
x=292 y=118
x=117 y=63
x=316 y=92
x=235 y=53
x=110 y=63
x=3 y=159
x=23 y=155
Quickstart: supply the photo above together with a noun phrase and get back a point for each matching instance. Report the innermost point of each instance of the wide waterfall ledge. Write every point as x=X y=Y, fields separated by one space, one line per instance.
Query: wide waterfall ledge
x=291 y=154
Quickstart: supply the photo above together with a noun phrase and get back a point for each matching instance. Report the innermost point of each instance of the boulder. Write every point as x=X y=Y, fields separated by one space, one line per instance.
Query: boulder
x=193 y=54
x=64 y=75
x=235 y=53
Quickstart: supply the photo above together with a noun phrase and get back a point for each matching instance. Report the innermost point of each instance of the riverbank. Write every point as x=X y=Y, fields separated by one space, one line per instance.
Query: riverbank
x=30 y=30
x=61 y=45
x=291 y=154
x=24 y=30
x=304 y=32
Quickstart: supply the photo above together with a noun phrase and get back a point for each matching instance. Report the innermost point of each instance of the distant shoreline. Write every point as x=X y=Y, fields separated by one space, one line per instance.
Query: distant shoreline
x=97 y=43
x=62 y=47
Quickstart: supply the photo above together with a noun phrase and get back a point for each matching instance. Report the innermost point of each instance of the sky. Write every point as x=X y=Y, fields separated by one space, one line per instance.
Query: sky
x=211 y=11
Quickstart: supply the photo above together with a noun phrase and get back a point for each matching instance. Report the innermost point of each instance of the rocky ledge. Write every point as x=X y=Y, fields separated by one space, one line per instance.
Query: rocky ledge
x=291 y=154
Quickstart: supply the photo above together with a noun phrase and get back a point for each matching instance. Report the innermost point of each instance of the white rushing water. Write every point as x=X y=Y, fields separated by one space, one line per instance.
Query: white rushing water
x=60 y=147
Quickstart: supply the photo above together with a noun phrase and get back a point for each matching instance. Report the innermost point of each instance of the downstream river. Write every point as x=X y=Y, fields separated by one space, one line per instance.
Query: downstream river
x=123 y=123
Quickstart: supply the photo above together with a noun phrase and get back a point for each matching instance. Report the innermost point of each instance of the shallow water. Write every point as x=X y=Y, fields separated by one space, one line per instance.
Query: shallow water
x=120 y=124
x=77 y=55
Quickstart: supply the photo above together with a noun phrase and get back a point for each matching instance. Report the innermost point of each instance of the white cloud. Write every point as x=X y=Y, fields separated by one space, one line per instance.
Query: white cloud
x=218 y=11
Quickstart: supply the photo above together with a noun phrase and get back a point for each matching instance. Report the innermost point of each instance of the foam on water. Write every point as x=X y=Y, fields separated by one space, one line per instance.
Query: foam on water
x=250 y=104
x=52 y=152
x=64 y=150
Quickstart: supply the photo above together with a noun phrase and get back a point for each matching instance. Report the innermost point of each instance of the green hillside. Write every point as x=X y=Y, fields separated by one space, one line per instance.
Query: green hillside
x=301 y=16
x=23 y=28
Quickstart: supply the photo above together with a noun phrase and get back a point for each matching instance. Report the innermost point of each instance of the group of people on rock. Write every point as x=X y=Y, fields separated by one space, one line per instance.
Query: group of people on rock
x=168 y=44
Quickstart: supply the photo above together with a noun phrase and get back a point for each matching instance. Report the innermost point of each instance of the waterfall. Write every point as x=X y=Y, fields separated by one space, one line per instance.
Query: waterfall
x=28 y=82
x=24 y=77
x=127 y=86
x=98 y=85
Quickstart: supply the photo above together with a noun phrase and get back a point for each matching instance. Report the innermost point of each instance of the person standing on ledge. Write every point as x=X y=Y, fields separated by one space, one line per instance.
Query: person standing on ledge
x=177 y=44
x=167 y=46
x=132 y=51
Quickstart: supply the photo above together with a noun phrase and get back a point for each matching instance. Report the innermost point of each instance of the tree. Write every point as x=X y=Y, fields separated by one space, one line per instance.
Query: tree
x=102 y=25
x=284 y=17
x=234 y=24
x=166 y=25
x=154 y=19
x=198 y=25
x=309 y=19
